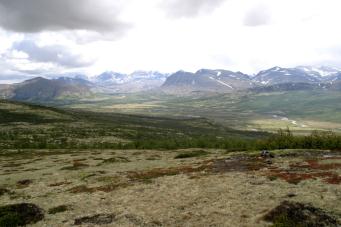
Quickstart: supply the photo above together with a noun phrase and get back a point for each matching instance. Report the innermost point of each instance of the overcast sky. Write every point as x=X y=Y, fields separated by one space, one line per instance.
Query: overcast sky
x=42 y=37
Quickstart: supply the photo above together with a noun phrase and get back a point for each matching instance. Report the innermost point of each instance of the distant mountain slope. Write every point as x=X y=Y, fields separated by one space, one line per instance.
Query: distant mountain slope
x=289 y=87
x=322 y=71
x=41 y=89
x=278 y=75
x=220 y=81
x=113 y=82
x=203 y=81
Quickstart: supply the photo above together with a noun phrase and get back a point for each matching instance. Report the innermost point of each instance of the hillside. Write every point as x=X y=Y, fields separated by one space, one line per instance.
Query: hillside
x=25 y=126
x=41 y=89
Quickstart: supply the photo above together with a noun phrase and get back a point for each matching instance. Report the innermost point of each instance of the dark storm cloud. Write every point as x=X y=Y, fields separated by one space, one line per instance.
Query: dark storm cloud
x=53 y=54
x=257 y=16
x=189 y=8
x=53 y=15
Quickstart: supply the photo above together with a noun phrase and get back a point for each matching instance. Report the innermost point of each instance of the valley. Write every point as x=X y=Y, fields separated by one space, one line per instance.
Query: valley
x=303 y=98
x=170 y=113
x=319 y=110
x=182 y=153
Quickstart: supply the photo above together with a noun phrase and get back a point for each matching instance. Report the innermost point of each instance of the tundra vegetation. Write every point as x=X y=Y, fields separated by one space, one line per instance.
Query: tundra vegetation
x=68 y=167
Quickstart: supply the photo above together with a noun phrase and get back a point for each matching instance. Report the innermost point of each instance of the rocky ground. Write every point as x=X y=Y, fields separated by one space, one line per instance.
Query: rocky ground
x=169 y=188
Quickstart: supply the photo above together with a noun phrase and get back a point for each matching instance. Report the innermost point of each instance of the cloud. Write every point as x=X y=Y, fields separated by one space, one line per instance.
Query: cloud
x=13 y=77
x=32 y=16
x=257 y=16
x=189 y=8
x=55 y=54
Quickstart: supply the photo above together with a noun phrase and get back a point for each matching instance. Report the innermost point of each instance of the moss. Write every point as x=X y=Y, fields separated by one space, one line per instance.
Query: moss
x=58 y=209
x=289 y=214
x=4 y=191
x=272 y=178
x=20 y=215
x=10 y=220
x=192 y=154
x=115 y=160
x=285 y=221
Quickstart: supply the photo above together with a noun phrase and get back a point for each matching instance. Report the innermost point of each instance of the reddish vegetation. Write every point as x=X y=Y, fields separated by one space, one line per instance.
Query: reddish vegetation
x=241 y=164
x=296 y=177
x=314 y=164
x=310 y=169
x=76 y=165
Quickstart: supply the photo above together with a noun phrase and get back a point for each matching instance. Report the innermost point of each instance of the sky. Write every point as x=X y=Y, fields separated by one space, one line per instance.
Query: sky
x=49 y=37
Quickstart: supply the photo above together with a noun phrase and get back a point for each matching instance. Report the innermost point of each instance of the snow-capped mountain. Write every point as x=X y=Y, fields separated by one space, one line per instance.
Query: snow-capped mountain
x=302 y=77
x=181 y=82
x=334 y=78
x=134 y=82
x=68 y=75
x=278 y=75
x=322 y=71
x=110 y=78
x=207 y=80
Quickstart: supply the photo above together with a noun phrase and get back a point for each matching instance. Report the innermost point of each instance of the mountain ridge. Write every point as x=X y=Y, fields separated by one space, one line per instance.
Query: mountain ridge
x=180 y=82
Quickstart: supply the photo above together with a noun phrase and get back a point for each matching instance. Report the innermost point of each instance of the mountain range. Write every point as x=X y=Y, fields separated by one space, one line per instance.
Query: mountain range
x=181 y=82
x=223 y=81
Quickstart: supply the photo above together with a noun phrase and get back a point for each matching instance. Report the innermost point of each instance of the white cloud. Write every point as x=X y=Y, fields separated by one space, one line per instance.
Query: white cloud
x=245 y=35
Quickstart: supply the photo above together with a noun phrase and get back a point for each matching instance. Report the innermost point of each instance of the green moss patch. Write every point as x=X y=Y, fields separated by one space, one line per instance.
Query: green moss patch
x=191 y=154
x=20 y=214
x=289 y=214
x=58 y=209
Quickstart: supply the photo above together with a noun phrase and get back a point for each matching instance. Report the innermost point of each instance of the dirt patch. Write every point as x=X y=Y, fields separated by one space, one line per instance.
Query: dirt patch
x=20 y=214
x=12 y=164
x=104 y=188
x=76 y=165
x=98 y=219
x=298 y=214
x=59 y=184
x=115 y=160
x=239 y=164
x=24 y=183
x=161 y=172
